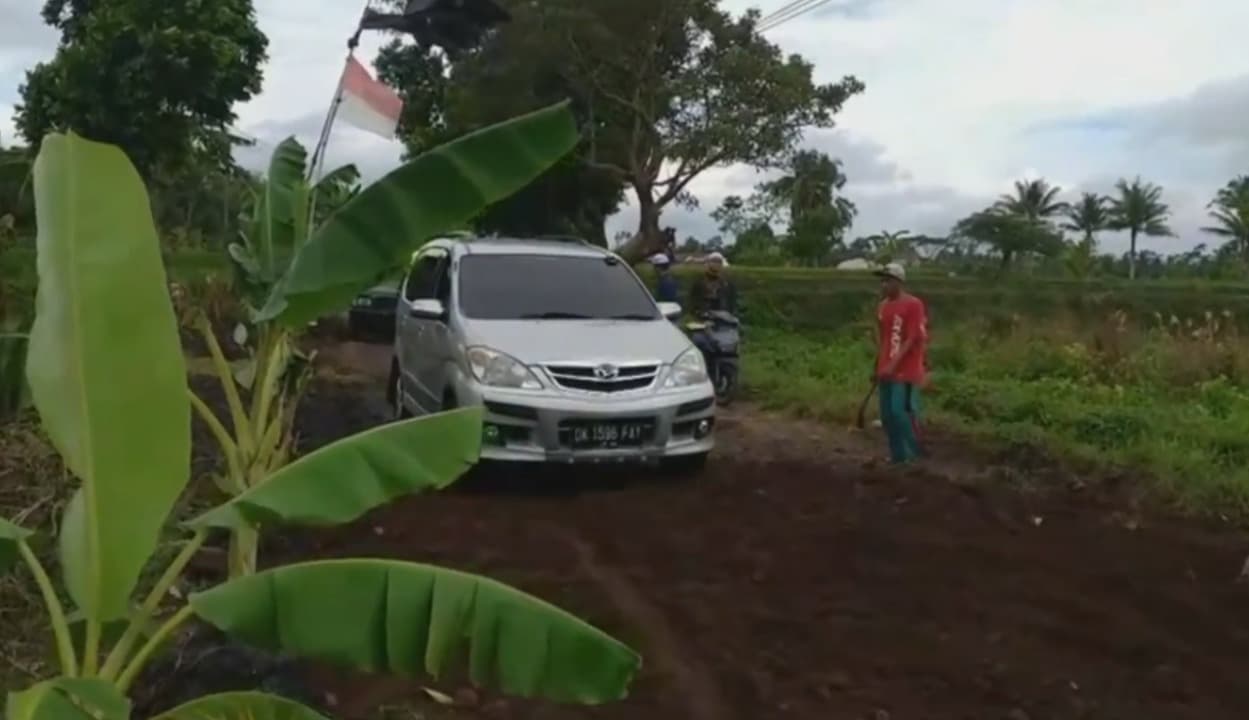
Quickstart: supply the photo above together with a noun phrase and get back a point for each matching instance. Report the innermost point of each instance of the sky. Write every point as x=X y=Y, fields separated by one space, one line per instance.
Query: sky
x=963 y=98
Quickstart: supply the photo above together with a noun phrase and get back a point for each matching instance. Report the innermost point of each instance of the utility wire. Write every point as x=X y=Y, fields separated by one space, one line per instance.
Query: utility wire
x=797 y=12
x=782 y=10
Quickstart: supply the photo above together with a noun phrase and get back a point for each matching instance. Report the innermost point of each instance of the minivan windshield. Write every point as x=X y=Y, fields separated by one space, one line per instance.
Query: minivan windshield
x=551 y=287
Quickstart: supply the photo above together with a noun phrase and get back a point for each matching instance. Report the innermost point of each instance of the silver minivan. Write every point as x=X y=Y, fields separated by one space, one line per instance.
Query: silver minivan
x=560 y=343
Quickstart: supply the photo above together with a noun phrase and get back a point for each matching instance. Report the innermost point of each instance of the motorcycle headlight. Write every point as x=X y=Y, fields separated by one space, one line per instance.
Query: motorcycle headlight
x=688 y=369
x=496 y=369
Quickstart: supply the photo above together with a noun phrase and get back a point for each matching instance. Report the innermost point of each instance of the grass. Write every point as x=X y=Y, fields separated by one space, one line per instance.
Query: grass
x=1172 y=400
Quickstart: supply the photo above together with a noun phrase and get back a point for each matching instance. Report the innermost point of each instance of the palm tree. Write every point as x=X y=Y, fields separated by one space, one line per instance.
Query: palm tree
x=1230 y=212
x=1033 y=199
x=1139 y=210
x=811 y=185
x=1089 y=216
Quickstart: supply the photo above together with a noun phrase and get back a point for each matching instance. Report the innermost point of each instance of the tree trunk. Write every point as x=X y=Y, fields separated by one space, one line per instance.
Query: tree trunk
x=648 y=239
x=1132 y=257
x=1007 y=256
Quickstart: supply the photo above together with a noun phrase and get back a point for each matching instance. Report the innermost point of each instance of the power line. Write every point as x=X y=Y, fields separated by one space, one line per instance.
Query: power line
x=782 y=10
x=797 y=12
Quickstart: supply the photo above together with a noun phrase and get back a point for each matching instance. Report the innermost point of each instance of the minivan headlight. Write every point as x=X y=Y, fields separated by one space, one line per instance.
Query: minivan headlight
x=496 y=369
x=688 y=369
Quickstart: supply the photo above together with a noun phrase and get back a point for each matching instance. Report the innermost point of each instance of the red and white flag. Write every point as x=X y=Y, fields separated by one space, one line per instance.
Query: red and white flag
x=367 y=103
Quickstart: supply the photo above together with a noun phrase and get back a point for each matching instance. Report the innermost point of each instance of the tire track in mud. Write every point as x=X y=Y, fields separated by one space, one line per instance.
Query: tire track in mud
x=691 y=678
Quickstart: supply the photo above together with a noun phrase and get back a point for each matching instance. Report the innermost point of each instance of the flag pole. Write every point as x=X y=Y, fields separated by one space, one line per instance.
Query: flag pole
x=318 y=154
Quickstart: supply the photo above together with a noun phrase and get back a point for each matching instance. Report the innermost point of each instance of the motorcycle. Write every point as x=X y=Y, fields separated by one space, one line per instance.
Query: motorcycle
x=718 y=335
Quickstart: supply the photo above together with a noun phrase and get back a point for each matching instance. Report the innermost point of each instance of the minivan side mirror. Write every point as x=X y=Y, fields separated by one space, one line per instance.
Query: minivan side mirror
x=427 y=310
x=670 y=310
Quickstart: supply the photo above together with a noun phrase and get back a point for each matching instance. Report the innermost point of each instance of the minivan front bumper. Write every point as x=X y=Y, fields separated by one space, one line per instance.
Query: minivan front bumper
x=524 y=426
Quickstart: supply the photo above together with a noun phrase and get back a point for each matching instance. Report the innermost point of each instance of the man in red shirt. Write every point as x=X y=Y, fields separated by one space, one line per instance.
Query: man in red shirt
x=899 y=370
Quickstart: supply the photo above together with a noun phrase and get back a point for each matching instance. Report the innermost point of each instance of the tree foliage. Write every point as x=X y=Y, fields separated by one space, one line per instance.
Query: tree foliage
x=1033 y=199
x=1010 y=235
x=444 y=100
x=1229 y=212
x=807 y=195
x=1139 y=210
x=1089 y=216
x=158 y=78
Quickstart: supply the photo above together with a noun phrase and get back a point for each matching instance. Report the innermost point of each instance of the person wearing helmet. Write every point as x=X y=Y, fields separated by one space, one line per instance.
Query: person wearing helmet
x=899 y=369
x=666 y=287
x=714 y=290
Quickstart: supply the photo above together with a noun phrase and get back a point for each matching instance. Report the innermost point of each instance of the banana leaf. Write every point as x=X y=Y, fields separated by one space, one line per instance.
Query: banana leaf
x=10 y=536
x=408 y=619
x=342 y=481
x=105 y=367
x=68 y=699
x=437 y=191
x=274 y=236
x=241 y=706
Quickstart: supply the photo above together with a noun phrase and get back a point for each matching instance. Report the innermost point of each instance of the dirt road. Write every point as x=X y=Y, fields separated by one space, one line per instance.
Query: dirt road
x=798 y=579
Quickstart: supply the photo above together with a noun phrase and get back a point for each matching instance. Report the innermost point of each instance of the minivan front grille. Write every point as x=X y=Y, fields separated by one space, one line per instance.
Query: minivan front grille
x=604 y=377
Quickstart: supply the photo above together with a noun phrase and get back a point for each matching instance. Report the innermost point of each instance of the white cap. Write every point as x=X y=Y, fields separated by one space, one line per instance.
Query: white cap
x=659 y=259
x=715 y=256
x=893 y=270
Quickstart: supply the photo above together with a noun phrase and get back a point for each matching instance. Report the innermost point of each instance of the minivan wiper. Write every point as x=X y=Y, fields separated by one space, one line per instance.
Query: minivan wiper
x=555 y=315
x=632 y=316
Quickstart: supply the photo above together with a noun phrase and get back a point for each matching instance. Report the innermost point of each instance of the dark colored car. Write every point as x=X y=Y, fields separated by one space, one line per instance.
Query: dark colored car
x=372 y=314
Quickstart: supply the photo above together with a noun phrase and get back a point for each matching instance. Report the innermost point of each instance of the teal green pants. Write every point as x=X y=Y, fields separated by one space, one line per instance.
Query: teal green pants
x=899 y=415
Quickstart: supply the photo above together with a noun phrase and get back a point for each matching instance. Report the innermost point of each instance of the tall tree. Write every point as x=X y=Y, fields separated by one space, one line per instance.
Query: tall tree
x=807 y=194
x=1088 y=217
x=1033 y=199
x=1139 y=209
x=680 y=87
x=1230 y=212
x=811 y=186
x=1009 y=234
x=158 y=78
x=444 y=99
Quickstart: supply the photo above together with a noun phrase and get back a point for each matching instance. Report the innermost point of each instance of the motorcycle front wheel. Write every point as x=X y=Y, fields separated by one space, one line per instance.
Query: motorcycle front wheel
x=725 y=382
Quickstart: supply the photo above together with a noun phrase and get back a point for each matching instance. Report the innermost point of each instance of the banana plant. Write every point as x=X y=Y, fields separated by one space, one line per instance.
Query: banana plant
x=309 y=249
x=108 y=379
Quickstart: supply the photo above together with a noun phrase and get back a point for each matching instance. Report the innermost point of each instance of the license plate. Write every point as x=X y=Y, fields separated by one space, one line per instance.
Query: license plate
x=609 y=435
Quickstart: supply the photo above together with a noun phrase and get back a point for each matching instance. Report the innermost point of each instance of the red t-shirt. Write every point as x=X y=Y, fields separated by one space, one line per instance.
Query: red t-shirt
x=901 y=320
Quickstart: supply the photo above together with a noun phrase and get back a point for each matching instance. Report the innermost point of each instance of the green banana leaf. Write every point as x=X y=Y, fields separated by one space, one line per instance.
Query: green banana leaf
x=407 y=619
x=439 y=190
x=105 y=367
x=10 y=536
x=68 y=699
x=241 y=706
x=275 y=232
x=342 y=481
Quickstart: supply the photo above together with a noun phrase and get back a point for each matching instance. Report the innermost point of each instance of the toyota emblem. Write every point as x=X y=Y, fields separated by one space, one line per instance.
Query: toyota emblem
x=606 y=372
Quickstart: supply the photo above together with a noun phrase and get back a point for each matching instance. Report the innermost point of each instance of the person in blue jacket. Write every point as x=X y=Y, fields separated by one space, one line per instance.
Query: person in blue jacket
x=666 y=287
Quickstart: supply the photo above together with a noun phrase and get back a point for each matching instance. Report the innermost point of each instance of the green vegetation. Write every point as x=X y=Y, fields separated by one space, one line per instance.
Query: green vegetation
x=292 y=269
x=666 y=89
x=108 y=378
x=1166 y=394
x=158 y=79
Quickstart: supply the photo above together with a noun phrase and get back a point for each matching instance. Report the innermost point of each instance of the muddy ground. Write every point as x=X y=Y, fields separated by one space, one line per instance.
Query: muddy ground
x=799 y=578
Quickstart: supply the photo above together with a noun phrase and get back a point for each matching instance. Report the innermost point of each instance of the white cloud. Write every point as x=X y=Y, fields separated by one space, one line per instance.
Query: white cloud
x=962 y=98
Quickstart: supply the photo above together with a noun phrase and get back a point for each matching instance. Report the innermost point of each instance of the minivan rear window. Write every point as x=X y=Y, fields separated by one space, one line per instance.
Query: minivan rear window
x=551 y=287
